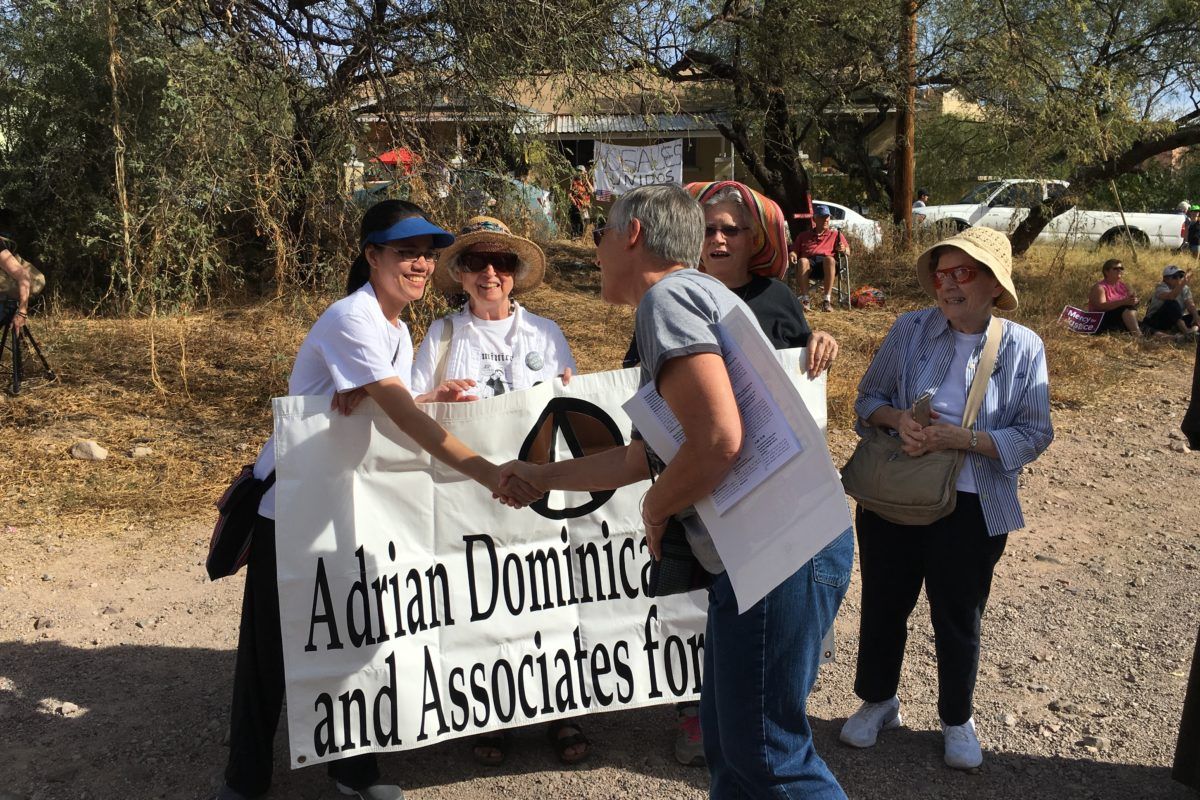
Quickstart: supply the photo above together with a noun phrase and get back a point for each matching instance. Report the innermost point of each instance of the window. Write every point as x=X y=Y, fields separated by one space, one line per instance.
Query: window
x=1026 y=194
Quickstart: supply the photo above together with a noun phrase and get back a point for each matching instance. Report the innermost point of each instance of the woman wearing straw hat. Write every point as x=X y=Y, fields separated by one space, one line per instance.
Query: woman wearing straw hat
x=936 y=350
x=492 y=344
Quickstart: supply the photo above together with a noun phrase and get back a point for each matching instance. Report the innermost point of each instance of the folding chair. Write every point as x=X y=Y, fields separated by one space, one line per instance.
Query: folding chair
x=841 y=280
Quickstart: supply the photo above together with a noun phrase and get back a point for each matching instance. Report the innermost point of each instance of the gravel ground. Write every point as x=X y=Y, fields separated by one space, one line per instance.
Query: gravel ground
x=116 y=655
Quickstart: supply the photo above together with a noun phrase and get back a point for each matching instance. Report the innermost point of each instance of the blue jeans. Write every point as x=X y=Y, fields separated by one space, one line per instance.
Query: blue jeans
x=758 y=670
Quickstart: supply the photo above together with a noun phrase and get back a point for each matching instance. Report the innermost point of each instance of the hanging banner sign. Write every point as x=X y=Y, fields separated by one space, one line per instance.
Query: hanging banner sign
x=620 y=168
x=415 y=608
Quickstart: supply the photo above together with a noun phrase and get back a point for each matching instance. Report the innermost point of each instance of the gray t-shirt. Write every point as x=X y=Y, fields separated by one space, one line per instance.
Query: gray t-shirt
x=1157 y=302
x=677 y=318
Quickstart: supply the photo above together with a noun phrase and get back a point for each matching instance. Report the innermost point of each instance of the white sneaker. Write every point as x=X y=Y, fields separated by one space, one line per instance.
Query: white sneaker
x=962 y=745
x=378 y=791
x=865 y=724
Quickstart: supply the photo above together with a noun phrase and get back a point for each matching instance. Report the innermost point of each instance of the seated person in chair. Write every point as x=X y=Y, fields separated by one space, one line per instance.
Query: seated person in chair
x=815 y=253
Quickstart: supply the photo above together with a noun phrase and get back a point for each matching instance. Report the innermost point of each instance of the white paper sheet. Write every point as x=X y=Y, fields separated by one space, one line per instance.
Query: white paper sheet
x=768 y=441
x=783 y=520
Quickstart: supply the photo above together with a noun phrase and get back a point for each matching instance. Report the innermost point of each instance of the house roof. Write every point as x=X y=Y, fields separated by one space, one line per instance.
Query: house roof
x=566 y=124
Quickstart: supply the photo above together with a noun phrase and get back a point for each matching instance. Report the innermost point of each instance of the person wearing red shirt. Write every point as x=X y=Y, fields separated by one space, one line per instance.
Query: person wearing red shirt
x=814 y=253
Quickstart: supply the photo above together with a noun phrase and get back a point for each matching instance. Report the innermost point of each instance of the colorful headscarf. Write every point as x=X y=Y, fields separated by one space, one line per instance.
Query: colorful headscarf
x=770 y=256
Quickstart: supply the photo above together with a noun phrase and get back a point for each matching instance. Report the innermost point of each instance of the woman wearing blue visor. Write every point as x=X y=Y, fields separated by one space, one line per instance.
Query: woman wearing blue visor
x=358 y=348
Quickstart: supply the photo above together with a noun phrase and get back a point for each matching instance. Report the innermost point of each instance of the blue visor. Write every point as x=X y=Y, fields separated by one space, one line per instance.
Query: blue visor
x=407 y=229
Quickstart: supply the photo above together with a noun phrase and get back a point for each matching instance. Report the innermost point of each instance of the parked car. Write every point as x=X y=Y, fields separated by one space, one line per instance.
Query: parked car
x=865 y=231
x=1003 y=204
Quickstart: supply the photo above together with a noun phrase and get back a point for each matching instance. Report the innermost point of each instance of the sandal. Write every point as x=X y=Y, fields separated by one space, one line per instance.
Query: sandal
x=827 y=306
x=564 y=734
x=490 y=749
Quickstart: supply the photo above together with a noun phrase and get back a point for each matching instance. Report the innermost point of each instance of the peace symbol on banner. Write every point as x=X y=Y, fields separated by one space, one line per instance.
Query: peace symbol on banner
x=587 y=429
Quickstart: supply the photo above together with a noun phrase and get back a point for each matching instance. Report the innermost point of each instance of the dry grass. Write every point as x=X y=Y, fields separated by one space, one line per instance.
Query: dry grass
x=205 y=409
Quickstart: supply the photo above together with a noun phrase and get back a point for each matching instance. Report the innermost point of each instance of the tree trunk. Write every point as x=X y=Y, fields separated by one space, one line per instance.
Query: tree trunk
x=906 y=123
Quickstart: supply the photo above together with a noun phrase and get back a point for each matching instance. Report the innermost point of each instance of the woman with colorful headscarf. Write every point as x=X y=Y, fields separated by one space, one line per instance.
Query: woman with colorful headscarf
x=745 y=247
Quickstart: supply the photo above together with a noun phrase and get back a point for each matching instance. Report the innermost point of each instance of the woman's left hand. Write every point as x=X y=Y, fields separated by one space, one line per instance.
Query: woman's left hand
x=654 y=535
x=452 y=390
x=566 y=375
x=941 y=436
x=346 y=402
x=822 y=350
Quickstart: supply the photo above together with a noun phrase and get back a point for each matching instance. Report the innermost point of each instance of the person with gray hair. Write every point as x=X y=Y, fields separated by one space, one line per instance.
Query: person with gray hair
x=757 y=739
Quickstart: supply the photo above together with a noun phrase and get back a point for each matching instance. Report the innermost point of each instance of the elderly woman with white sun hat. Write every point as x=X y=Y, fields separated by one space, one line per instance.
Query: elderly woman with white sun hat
x=489 y=347
x=936 y=350
x=492 y=345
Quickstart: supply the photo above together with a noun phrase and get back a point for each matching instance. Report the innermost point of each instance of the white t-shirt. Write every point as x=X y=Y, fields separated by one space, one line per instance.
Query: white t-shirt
x=351 y=345
x=495 y=340
x=951 y=398
x=509 y=354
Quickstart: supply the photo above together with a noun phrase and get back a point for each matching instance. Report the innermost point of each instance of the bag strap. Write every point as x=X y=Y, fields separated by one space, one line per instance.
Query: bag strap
x=983 y=371
x=443 y=349
x=268 y=481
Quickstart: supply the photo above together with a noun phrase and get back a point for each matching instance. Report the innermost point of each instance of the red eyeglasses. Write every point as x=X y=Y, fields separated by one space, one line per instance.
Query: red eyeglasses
x=502 y=263
x=960 y=275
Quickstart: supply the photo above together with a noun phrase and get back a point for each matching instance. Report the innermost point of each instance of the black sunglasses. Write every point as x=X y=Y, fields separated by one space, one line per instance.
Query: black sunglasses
x=598 y=234
x=728 y=231
x=502 y=263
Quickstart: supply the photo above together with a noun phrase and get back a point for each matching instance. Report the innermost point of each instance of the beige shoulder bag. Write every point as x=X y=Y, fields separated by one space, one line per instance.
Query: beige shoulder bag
x=916 y=491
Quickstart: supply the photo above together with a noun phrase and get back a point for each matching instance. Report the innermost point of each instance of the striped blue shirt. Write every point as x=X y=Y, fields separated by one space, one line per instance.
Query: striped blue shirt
x=915 y=357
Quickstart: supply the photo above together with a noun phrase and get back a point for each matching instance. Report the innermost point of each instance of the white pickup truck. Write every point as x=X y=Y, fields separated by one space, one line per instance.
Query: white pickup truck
x=1003 y=204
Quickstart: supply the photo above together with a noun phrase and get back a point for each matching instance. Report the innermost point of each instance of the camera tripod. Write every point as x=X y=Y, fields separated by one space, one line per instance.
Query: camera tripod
x=8 y=315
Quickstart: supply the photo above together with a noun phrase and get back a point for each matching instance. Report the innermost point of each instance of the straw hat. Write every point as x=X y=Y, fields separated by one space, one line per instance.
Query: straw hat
x=988 y=247
x=494 y=233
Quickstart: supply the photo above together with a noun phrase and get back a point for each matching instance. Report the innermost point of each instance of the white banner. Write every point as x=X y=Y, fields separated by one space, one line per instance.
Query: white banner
x=414 y=608
x=620 y=168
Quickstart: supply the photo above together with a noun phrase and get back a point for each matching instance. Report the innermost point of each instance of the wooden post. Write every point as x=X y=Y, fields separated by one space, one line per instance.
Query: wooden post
x=902 y=186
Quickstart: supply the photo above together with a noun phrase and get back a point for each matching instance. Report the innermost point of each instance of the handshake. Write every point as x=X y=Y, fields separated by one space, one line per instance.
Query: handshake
x=519 y=483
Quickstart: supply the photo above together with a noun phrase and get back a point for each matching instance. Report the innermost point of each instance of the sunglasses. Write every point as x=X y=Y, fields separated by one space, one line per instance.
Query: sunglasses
x=598 y=234
x=410 y=256
x=502 y=263
x=728 y=231
x=961 y=275
x=1176 y=275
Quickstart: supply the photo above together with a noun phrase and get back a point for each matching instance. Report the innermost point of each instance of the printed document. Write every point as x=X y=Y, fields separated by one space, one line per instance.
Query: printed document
x=783 y=500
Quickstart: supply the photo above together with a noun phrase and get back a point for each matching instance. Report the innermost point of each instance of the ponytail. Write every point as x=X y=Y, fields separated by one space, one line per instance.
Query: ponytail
x=360 y=273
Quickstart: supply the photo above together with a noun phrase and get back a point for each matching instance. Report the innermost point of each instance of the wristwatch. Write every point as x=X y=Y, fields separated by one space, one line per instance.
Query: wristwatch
x=974 y=440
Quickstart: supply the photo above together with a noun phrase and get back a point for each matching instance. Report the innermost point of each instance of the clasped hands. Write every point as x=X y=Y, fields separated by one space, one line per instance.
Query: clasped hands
x=917 y=440
x=519 y=484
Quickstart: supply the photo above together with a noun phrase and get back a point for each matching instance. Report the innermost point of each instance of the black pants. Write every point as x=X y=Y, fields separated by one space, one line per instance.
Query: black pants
x=1167 y=315
x=258 y=683
x=1186 y=768
x=954 y=558
x=1191 y=420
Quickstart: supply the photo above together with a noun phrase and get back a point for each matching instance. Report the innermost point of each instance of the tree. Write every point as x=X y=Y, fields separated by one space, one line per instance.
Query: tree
x=1089 y=89
x=786 y=73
